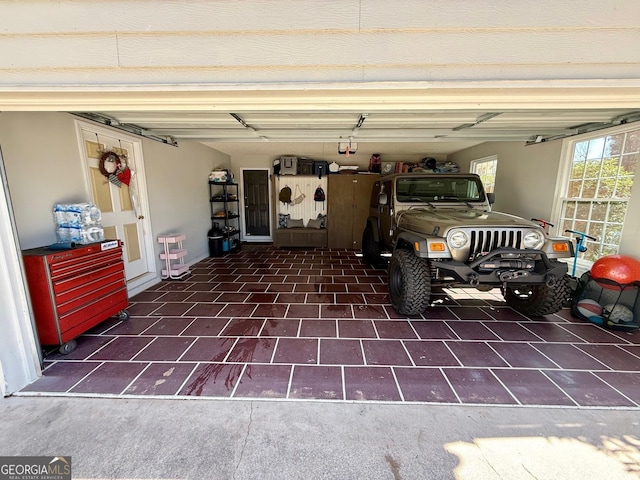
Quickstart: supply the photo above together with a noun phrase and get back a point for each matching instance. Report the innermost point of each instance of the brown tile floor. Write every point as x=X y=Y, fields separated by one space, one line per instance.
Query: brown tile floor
x=317 y=324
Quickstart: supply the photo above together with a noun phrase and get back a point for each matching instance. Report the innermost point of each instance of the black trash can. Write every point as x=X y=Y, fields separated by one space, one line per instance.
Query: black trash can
x=215 y=242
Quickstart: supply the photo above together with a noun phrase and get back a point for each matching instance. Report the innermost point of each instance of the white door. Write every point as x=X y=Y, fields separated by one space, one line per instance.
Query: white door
x=122 y=206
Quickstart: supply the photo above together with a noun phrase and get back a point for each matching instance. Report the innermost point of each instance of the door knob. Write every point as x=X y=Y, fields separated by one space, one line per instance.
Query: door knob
x=140 y=217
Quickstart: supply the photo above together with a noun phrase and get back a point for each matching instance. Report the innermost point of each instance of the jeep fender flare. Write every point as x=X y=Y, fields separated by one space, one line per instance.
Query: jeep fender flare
x=408 y=240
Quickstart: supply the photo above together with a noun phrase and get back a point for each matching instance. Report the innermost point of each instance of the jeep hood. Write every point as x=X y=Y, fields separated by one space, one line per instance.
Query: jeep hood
x=425 y=220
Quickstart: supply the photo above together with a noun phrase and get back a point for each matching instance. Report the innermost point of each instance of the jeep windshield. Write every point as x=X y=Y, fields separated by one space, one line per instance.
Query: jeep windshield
x=439 y=189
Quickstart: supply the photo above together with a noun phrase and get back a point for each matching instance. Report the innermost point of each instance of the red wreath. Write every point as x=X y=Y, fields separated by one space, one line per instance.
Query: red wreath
x=112 y=167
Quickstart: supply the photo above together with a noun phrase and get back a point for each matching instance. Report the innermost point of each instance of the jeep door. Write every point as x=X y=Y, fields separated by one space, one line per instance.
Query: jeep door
x=386 y=214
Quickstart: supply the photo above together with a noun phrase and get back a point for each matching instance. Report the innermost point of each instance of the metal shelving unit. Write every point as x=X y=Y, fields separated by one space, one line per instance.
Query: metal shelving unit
x=225 y=211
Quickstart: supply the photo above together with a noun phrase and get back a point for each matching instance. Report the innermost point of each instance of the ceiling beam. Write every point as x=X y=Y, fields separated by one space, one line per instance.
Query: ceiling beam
x=370 y=97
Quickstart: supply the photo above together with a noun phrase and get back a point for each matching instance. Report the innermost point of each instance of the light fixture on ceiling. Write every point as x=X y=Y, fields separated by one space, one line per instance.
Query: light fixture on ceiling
x=347 y=148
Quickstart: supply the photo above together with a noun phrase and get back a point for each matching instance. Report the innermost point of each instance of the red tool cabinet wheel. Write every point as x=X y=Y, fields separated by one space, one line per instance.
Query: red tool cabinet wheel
x=68 y=347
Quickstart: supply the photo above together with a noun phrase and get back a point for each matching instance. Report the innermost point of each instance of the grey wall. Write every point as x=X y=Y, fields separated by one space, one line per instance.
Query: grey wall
x=526 y=176
x=527 y=183
x=177 y=180
x=44 y=167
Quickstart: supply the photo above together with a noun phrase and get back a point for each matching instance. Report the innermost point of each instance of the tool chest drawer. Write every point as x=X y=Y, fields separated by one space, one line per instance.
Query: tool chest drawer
x=74 y=290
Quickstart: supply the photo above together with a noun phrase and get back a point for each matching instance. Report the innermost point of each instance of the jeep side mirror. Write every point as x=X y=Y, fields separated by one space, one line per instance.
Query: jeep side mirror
x=491 y=197
x=383 y=199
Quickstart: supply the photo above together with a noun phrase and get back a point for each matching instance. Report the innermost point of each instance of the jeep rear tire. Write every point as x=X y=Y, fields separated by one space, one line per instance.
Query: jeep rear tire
x=409 y=283
x=537 y=300
x=371 y=249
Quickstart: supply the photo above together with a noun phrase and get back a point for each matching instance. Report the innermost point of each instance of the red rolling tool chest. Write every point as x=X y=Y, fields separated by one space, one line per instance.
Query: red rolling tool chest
x=74 y=290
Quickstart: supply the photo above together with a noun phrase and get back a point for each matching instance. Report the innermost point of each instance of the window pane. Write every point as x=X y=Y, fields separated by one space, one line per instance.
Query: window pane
x=577 y=171
x=623 y=188
x=596 y=149
x=580 y=152
x=632 y=143
x=614 y=145
x=628 y=164
x=596 y=229
x=599 y=211
x=606 y=188
x=612 y=234
x=589 y=188
x=583 y=210
x=617 y=212
x=570 y=210
x=574 y=189
x=486 y=170
x=580 y=225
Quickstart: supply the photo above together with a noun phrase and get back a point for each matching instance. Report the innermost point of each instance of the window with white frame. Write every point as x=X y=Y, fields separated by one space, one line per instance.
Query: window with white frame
x=598 y=188
x=486 y=168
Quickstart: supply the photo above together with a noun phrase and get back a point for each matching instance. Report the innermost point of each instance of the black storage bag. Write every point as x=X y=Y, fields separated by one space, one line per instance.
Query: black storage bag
x=612 y=297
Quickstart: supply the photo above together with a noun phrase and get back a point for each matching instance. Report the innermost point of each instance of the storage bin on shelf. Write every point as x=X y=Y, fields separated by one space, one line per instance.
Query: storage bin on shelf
x=175 y=268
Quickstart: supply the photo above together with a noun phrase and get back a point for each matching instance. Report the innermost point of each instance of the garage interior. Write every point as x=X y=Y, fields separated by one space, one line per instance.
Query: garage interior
x=290 y=362
x=316 y=323
x=487 y=84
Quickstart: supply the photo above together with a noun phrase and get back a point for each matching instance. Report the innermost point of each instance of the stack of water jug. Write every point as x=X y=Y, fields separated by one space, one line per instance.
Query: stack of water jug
x=78 y=223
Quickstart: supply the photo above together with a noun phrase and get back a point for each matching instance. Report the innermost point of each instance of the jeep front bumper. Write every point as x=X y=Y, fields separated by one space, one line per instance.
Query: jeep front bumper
x=504 y=265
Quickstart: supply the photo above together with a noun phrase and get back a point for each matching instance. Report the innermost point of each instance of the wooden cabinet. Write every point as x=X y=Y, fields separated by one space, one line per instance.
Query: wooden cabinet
x=348 y=208
x=74 y=290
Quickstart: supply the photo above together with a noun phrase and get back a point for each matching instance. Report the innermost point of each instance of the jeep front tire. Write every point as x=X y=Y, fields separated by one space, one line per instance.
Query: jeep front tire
x=537 y=300
x=409 y=283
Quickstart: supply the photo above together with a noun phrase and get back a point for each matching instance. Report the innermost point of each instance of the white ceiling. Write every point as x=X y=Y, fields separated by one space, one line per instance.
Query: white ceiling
x=436 y=132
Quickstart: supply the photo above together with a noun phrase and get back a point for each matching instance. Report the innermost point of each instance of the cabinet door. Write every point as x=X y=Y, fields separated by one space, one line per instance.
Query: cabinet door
x=339 y=211
x=361 y=188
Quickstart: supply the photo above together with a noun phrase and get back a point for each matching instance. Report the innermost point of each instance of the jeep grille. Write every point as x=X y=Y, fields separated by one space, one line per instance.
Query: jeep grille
x=482 y=241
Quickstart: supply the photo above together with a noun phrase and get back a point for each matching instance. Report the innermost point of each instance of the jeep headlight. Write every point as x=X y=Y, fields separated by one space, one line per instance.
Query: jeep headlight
x=533 y=239
x=458 y=239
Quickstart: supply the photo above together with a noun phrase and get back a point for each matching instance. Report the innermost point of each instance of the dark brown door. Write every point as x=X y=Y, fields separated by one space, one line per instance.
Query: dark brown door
x=256 y=202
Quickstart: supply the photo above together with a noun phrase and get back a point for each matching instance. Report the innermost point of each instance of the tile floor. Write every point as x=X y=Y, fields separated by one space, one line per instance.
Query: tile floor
x=317 y=324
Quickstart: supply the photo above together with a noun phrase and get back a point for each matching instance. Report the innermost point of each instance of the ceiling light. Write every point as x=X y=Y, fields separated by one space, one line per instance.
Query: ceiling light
x=347 y=148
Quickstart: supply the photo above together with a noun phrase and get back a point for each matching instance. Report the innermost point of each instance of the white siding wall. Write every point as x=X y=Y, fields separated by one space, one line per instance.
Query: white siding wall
x=144 y=42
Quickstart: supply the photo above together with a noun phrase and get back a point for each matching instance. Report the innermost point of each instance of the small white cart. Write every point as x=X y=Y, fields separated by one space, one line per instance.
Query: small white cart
x=173 y=256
